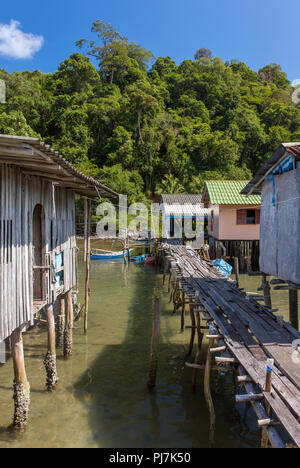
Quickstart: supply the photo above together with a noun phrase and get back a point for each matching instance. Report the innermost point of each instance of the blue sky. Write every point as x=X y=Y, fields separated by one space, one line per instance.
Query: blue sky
x=257 y=32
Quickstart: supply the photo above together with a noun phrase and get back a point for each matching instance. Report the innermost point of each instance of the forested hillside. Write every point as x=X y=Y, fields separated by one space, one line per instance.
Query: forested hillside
x=146 y=126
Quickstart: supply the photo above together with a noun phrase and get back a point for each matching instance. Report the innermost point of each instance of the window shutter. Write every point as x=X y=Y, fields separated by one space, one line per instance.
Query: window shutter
x=257 y=216
x=241 y=217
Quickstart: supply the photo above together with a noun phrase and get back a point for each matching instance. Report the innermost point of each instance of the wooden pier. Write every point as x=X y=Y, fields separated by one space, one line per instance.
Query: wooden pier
x=249 y=337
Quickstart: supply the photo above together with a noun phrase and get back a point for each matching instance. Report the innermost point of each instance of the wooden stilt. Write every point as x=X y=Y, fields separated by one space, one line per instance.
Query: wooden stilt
x=60 y=323
x=183 y=313
x=21 y=384
x=207 y=390
x=267 y=292
x=154 y=344
x=88 y=262
x=193 y=331
x=237 y=271
x=293 y=303
x=50 y=359
x=200 y=336
x=68 y=338
x=169 y=283
x=268 y=388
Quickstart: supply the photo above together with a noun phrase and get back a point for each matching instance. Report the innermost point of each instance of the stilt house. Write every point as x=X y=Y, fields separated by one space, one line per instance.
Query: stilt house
x=233 y=219
x=37 y=229
x=176 y=209
x=278 y=182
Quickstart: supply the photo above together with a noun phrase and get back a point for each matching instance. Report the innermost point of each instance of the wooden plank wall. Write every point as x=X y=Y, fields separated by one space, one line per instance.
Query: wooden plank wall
x=19 y=194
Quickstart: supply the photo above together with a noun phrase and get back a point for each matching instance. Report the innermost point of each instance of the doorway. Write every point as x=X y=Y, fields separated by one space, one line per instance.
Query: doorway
x=38 y=227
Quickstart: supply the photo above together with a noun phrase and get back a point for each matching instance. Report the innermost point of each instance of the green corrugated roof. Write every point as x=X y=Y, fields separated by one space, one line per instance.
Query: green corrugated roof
x=228 y=192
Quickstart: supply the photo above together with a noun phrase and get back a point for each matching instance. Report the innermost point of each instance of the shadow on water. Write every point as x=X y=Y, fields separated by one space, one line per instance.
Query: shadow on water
x=102 y=399
x=122 y=413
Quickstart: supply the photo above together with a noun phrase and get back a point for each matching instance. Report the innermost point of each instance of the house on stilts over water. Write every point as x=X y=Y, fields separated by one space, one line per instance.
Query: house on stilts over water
x=233 y=222
x=181 y=212
x=278 y=182
x=38 y=248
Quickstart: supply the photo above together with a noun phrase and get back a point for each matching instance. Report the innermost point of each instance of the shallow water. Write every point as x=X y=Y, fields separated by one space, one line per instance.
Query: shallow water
x=102 y=399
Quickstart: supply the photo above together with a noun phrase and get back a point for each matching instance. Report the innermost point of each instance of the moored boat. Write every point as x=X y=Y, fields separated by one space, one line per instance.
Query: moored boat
x=97 y=254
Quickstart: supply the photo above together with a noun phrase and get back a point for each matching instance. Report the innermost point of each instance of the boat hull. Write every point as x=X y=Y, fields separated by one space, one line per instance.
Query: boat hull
x=109 y=256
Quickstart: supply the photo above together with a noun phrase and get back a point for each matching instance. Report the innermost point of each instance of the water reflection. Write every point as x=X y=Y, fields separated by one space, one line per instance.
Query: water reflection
x=102 y=399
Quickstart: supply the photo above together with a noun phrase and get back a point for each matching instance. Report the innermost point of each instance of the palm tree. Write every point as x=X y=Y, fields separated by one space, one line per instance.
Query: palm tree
x=170 y=184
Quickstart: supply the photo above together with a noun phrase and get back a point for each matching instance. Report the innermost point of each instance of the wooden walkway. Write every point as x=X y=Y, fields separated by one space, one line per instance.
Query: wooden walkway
x=250 y=333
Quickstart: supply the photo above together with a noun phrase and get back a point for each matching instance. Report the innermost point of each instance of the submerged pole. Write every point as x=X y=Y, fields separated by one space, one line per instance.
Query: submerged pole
x=267 y=292
x=268 y=388
x=237 y=271
x=154 y=344
x=88 y=262
x=68 y=337
x=50 y=359
x=293 y=306
x=207 y=389
x=60 y=323
x=21 y=384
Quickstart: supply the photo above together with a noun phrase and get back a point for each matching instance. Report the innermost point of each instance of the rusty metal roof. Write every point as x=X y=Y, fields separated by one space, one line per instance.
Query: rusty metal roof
x=37 y=158
x=285 y=150
x=181 y=199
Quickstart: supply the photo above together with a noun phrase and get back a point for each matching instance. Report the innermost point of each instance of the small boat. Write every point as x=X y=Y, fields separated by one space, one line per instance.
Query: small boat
x=150 y=260
x=143 y=241
x=98 y=254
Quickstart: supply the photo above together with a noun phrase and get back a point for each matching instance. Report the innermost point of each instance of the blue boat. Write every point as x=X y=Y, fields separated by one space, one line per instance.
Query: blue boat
x=107 y=254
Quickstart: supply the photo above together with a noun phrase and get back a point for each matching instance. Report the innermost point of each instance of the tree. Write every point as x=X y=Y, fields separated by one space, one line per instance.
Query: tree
x=14 y=123
x=273 y=74
x=119 y=148
x=75 y=75
x=116 y=54
x=203 y=53
x=169 y=184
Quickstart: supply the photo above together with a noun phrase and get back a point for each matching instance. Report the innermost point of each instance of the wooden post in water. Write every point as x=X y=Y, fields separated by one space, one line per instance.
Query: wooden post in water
x=50 y=359
x=193 y=331
x=68 y=338
x=21 y=384
x=293 y=303
x=267 y=292
x=154 y=344
x=207 y=391
x=237 y=271
x=60 y=323
x=88 y=261
x=268 y=388
x=200 y=336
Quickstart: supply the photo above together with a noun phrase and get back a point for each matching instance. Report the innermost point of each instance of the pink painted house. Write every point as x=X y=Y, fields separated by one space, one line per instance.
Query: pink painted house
x=233 y=222
x=231 y=216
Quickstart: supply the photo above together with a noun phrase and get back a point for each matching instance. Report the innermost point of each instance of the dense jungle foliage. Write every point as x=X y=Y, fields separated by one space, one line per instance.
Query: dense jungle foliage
x=146 y=126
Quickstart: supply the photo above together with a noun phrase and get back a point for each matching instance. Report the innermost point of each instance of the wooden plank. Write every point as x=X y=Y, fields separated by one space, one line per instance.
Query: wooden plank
x=233 y=340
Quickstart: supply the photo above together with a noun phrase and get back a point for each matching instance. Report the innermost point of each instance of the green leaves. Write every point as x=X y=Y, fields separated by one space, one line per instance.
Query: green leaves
x=144 y=131
x=118 y=58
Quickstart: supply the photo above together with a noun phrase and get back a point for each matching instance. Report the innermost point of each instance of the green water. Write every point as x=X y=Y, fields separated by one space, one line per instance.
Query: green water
x=102 y=399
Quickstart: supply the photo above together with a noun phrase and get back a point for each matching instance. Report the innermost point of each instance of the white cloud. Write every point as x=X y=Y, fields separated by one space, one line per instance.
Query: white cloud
x=16 y=44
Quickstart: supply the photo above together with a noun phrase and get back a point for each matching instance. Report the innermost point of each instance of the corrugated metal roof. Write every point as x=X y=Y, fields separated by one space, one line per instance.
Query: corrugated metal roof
x=286 y=149
x=228 y=192
x=186 y=210
x=181 y=199
x=43 y=159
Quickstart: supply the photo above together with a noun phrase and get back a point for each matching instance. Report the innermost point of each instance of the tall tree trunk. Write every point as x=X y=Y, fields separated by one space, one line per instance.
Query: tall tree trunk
x=139 y=125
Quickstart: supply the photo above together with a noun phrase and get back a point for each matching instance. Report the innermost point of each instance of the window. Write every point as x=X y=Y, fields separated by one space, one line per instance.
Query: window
x=247 y=217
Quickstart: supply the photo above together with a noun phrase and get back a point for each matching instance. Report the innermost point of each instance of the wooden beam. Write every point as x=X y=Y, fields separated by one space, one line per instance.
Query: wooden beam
x=50 y=359
x=21 y=384
x=87 y=241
